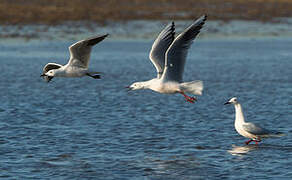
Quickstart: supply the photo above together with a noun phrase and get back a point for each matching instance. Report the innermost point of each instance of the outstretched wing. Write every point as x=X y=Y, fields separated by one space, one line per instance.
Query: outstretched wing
x=177 y=52
x=160 y=46
x=80 y=51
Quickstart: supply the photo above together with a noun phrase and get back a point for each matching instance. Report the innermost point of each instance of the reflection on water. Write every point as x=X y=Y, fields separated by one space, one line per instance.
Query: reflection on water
x=242 y=150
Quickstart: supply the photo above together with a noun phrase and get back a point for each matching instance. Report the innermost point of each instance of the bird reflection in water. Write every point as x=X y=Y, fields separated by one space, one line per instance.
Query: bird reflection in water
x=242 y=150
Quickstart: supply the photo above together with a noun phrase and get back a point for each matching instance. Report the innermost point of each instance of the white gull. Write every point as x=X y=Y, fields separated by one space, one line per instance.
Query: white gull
x=247 y=129
x=78 y=62
x=168 y=55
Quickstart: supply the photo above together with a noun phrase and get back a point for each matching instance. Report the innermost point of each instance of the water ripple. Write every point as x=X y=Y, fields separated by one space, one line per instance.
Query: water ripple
x=95 y=129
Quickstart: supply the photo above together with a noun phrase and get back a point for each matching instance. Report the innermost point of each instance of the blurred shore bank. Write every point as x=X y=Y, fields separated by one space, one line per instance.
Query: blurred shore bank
x=142 y=19
x=147 y=29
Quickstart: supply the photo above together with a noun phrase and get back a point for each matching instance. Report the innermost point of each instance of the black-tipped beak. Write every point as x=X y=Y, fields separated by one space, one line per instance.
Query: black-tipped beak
x=42 y=75
x=227 y=103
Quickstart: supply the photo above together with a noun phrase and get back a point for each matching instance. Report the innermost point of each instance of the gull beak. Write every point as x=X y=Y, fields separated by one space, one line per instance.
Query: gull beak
x=129 y=88
x=49 y=78
x=46 y=77
x=227 y=103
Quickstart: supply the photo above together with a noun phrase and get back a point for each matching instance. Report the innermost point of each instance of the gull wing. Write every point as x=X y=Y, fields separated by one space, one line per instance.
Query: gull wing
x=160 y=46
x=255 y=129
x=80 y=51
x=177 y=52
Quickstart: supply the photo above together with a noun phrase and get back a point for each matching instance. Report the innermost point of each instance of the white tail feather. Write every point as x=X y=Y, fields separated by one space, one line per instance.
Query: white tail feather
x=193 y=87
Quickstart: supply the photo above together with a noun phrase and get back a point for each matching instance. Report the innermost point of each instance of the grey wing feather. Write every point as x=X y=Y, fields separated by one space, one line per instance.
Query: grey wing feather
x=160 y=46
x=177 y=52
x=80 y=51
x=255 y=129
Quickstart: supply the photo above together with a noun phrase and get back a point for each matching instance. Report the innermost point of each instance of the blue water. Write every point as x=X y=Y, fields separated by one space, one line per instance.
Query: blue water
x=94 y=129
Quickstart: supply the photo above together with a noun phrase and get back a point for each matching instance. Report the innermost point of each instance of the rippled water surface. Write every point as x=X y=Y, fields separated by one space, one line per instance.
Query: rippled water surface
x=95 y=129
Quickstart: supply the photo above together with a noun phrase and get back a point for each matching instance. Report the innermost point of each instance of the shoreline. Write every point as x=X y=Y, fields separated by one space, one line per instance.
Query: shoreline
x=147 y=30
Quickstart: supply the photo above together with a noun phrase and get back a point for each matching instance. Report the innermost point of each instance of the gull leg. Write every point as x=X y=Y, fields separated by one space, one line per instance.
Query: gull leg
x=257 y=141
x=188 y=98
x=247 y=142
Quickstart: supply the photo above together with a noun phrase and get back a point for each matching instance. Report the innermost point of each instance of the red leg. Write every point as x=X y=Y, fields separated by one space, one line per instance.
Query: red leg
x=188 y=98
x=247 y=142
x=257 y=141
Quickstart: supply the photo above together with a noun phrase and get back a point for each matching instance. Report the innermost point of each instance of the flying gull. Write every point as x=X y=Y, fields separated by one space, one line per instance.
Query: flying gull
x=168 y=55
x=78 y=62
x=247 y=129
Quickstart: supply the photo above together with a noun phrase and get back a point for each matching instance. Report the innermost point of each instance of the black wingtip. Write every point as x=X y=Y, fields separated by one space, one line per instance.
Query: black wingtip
x=204 y=17
x=94 y=40
x=202 y=20
x=172 y=26
x=194 y=29
x=94 y=76
x=173 y=31
x=103 y=36
x=97 y=76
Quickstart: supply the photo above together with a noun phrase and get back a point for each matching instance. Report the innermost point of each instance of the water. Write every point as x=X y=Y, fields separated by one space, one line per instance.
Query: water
x=95 y=129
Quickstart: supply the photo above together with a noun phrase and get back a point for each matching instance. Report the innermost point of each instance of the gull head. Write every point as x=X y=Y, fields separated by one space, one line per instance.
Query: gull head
x=136 y=86
x=48 y=76
x=232 y=101
x=51 y=73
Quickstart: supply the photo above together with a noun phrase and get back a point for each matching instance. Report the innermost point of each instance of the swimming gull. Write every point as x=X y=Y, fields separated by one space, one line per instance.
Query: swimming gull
x=78 y=62
x=168 y=55
x=247 y=129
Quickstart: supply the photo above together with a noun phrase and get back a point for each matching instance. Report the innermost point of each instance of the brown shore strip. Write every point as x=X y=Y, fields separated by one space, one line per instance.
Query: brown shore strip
x=52 y=12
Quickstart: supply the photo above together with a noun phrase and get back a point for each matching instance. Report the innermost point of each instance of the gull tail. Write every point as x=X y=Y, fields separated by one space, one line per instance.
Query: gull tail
x=276 y=134
x=273 y=134
x=193 y=87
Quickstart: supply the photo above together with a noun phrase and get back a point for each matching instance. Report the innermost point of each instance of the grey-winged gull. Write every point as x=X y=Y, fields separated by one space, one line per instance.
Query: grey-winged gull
x=78 y=62
x=168 y=55
x=247 y=129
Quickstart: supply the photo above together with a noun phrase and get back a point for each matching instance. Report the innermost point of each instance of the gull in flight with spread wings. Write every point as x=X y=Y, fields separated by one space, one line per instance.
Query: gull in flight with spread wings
x=250 y=130
x=168 y=55
x=78 y=62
